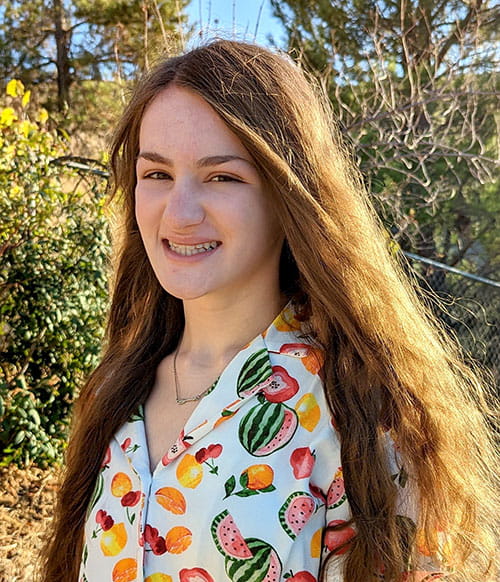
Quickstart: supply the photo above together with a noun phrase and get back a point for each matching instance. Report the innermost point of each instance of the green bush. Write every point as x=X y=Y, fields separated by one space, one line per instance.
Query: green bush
x=54 y=244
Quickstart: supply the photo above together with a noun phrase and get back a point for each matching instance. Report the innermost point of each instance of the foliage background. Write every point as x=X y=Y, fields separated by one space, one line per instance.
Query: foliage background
x=54 y=243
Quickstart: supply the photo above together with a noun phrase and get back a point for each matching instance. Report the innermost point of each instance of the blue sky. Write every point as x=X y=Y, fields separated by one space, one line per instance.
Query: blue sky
x=235 y=19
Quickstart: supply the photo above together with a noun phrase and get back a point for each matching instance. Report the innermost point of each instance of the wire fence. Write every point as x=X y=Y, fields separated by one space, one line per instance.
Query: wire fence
x=470 y=309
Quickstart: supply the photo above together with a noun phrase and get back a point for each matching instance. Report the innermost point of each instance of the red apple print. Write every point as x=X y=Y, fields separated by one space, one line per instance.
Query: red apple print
x=194 y=575
x=336 y=541
x=302 y=461
x=126 y=444
x=131 y=498
x=299 y=350
x=301 y=576
x=180 y=445
x=312 y=358
x=280 y=386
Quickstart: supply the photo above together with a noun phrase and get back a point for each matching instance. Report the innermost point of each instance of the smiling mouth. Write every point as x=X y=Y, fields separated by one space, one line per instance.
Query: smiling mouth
x=188 y=250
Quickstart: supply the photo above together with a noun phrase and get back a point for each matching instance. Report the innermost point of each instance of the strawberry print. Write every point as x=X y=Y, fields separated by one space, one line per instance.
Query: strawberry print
x=248 y=492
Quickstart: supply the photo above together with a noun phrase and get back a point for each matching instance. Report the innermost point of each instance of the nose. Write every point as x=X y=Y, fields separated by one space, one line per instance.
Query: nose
x=183 y=206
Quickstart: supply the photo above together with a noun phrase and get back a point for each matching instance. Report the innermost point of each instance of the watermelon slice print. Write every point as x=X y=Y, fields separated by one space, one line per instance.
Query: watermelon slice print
x=247 y=560
x=336 y=493
x=255 y=370
x=296 y=512
x=267 y=427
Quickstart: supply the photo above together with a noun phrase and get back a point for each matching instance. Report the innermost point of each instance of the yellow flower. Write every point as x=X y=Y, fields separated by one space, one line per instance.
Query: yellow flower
x=25 y=127
x=14 y=88
x=43 y=115
x=7 y=117
x=26 y=98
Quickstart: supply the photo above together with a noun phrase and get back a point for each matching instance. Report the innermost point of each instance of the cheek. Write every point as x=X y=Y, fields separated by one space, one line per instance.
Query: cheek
x=145 y=213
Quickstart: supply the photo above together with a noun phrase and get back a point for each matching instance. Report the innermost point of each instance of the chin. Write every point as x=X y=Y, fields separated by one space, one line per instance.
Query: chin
x=182 y=293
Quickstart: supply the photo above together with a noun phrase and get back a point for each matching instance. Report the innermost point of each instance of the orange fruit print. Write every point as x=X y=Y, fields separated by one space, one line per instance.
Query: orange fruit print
x=259 y=476
x=178 y=539
x=316 y=543
x=125 y=570
x=171 y=499
x=121 y=485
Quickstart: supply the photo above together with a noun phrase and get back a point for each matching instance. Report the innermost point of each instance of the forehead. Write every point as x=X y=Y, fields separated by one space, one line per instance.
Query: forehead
x=178 y=118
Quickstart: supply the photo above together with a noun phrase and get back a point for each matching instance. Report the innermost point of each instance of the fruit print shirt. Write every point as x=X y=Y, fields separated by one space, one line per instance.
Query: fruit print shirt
x=243 y=495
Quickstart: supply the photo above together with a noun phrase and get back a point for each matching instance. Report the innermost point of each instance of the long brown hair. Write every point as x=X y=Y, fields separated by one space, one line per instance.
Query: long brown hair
x=388 y=366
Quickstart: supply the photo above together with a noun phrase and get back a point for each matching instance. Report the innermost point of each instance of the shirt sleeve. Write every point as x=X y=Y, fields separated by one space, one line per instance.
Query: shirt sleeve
x=426 y=566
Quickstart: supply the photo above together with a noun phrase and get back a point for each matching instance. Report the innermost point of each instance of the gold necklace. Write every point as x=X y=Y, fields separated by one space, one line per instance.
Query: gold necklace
x=199 y=396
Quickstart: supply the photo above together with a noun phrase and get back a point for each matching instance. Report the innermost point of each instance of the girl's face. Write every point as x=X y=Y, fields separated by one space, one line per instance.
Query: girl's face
x=201 y=205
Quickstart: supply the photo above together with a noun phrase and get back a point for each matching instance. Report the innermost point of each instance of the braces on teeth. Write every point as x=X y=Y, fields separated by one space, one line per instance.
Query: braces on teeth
x=189 y=250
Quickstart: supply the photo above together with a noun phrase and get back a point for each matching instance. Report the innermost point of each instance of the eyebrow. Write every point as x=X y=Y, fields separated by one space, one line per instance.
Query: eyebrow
x=201 y=163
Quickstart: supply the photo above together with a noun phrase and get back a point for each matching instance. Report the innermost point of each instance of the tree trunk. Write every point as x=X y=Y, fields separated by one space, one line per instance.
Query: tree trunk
x=62 y=37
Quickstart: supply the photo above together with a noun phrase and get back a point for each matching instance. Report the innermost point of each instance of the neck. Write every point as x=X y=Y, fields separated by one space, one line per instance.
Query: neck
x=215 y=332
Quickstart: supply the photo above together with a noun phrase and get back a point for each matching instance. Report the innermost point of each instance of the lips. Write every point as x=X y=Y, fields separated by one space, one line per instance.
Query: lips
x=196 y=249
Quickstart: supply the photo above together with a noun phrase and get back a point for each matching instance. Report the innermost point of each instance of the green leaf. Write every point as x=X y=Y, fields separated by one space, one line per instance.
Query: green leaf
x=244 y=480
x=229 y=486
x=246 y=493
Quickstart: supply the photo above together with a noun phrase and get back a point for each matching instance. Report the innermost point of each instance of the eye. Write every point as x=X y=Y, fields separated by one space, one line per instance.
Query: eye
x=224 y=178
x=157 y=175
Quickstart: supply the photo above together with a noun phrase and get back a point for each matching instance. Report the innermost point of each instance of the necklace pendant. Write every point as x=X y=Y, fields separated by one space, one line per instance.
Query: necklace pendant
x=186 y=400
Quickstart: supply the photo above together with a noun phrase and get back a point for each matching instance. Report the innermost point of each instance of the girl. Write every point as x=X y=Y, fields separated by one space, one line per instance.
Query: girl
x=273 y=402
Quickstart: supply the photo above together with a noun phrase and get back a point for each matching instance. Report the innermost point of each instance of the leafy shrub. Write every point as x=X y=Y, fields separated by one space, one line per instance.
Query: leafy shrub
x=54 y=243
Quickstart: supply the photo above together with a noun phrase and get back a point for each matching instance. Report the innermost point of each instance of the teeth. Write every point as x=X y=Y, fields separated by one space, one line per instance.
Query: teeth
x=188 y=250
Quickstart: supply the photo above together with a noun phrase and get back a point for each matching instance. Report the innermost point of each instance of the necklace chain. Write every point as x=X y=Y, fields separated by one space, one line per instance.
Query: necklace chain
x=180 y=400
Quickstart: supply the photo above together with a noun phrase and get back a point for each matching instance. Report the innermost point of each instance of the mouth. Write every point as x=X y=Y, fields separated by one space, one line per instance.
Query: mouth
x=189 y=250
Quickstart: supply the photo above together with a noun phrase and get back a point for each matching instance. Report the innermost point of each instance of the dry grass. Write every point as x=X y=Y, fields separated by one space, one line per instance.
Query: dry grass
x=26 y=501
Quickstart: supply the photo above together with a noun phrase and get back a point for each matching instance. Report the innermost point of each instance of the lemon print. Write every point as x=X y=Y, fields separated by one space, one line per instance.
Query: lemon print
x=189 y=472
x=286 y=321
x=125 y=570
x=114 y=540
x=158 y=577
x=308 y=411
x=121 y=485
x=316 y=544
